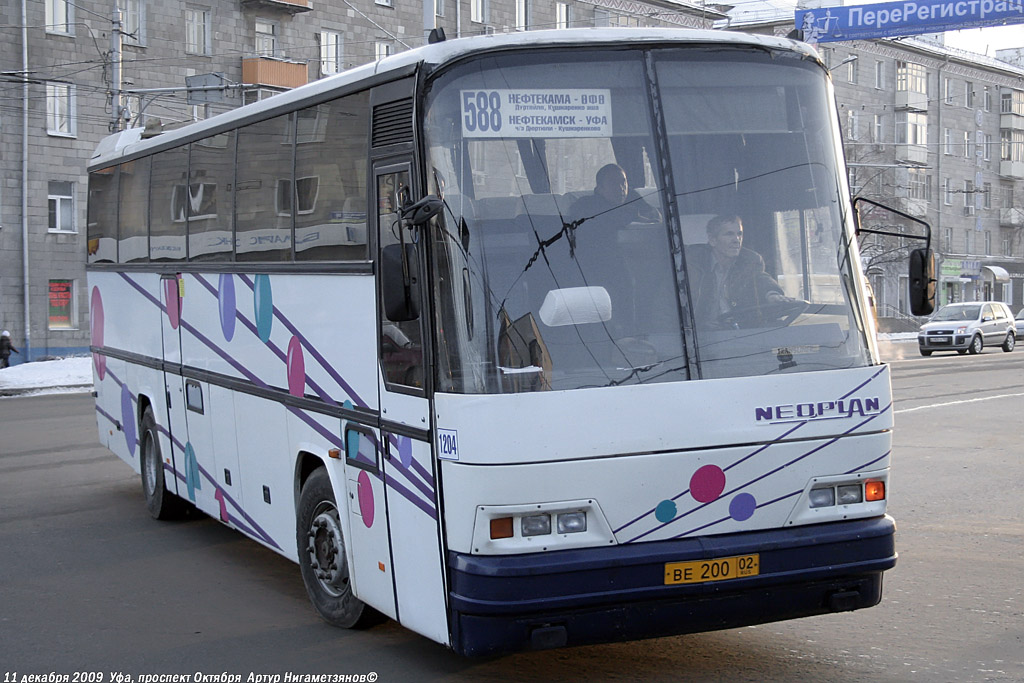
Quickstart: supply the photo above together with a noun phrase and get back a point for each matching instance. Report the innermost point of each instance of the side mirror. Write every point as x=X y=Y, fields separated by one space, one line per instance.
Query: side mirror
x=922 y=282
x=399 y=277
x=423 y=210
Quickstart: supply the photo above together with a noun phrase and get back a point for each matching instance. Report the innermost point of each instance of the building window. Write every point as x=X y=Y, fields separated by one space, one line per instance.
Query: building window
x=878 y=131
x=968 y=197
x=384 y=3
x=382 y=49
x=919 y=184
x=60 y=109
x=968 y=94
x=266 y=38
x=986 y=102
x=911 y=128
x=880 y=75
x=851 y=70
x=911 y=77
x=967 y=241
x=439 y=8
x=851 y=125
x=988 y=243
x=562 y=15
x=61 y=204
x=522 y=15
x=330 y=52
x=947 y=192
x=947 y=140
x=478 y=11
x=968 y=144
x=1012 y=102
x=947 y=90
x=1011 y=145
x=947 y=240
x=987 y=195
x=60 y=17
x=132 y=21
x=197 y=31
x=63 y=313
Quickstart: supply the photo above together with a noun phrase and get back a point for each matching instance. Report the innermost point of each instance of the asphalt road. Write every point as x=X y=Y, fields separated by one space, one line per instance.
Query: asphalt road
x=89 y=583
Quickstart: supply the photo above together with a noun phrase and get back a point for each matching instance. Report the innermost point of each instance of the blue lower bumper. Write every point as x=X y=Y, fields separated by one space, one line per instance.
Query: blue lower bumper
x=577 y=597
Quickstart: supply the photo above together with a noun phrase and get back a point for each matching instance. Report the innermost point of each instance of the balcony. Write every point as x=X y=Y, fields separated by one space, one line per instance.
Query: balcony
x=915 y=154
x=1011 y=169
x=292 y=7
x=906 y=99
x=1011 y=122
x=1011 y=217
x=274 y=72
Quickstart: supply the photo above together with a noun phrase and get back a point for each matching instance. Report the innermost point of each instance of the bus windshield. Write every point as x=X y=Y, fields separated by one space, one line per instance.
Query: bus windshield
x=635 y=216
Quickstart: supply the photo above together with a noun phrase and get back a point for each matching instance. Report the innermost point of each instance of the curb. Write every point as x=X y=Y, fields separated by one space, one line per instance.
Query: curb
x=20 y=391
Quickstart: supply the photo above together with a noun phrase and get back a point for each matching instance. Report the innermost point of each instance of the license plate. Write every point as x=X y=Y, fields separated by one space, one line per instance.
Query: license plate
x=940 y=340
x=719 y=569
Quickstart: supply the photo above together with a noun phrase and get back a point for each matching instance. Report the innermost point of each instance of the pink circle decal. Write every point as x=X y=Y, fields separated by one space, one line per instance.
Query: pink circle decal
x=96 y=331
x=707 y=483
x=296 y=367
x=173 y=302
x=365 y=492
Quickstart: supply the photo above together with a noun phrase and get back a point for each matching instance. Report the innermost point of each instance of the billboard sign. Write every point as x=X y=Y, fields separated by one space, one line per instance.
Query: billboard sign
x=912 y=17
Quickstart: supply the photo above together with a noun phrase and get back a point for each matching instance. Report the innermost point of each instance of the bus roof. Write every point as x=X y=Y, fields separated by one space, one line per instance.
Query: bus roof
x=130 y=142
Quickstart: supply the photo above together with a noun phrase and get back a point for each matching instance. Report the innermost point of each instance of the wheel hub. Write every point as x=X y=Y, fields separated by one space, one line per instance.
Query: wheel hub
x=327 y=552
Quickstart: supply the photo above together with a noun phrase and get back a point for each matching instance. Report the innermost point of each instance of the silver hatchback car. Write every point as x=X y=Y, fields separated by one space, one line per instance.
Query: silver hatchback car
x=968 y=328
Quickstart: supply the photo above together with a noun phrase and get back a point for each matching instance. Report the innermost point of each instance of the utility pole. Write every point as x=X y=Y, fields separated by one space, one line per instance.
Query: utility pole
x=115 y=71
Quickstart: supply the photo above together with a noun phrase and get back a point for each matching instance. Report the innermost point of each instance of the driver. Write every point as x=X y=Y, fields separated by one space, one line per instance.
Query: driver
x=726 y=277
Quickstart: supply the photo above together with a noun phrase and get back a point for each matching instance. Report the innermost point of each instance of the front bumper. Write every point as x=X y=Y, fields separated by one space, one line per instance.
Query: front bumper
x=576 y=597
x=957 y=342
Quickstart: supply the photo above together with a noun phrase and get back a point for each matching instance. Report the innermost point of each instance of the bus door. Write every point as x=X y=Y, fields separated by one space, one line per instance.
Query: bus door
x=174 y=419
x=409 y=475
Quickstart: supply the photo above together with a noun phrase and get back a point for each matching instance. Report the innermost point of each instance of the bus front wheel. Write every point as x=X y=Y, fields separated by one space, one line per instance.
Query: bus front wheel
x=322 y=559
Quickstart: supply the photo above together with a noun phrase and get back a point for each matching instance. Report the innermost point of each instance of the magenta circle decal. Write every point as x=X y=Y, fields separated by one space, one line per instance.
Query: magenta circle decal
x=296 y=367
x=226 y=302
x=99 y=361
x=365 y=493
x=173 y=301
x=128 y=419
x=741 y=508
x=707 y=483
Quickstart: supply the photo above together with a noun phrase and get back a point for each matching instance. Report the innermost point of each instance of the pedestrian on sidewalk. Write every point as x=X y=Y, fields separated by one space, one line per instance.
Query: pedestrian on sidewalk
x=6 y=348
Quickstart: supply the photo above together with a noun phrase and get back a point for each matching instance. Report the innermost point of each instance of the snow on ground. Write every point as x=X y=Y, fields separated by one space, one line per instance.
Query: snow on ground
x=48 y=376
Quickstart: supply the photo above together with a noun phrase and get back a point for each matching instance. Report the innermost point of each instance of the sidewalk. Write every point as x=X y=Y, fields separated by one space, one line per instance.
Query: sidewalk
x=67 y=375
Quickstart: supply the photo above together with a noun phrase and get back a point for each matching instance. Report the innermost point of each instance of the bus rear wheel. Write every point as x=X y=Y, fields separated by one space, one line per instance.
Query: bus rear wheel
x=161 y=503
x=322 y=559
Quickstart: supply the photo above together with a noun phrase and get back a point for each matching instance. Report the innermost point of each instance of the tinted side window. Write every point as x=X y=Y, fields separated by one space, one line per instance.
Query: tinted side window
x=263 y=191
x=330 y=180
x=168 y=205
x=133 y=215
x=211 y=176
x=102 y=219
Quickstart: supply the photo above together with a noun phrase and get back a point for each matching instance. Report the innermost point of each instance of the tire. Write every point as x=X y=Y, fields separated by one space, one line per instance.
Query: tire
x=161 y=503
x=322 y=556
x=925 y=352
x=1011 y=341
x=976 y=345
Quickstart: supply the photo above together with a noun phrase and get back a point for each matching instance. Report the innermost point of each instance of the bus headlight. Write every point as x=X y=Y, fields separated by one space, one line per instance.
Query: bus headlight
x=539 y=527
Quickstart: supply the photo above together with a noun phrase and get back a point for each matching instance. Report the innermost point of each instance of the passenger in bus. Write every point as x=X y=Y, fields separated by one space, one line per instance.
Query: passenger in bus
x=613 y=199
x=729 y=284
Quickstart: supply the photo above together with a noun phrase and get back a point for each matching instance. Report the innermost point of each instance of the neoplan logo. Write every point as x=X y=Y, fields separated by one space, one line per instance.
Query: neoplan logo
x=822 y=410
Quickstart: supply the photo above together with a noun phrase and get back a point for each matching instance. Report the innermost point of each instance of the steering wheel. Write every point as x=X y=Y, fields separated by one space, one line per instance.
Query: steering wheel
x=770 y=314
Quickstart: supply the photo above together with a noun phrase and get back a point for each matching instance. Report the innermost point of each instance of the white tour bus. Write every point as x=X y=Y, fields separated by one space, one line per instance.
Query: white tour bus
x=394 y=326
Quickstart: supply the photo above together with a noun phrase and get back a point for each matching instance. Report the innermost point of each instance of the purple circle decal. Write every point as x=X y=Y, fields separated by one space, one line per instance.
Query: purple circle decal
x=128 y=419
x=365 y=492
x=99 y=361
x=742 y=507
x=226 y=301
x=707 y=483
x=173 y=302
x=263 y=306
x=296 y=367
